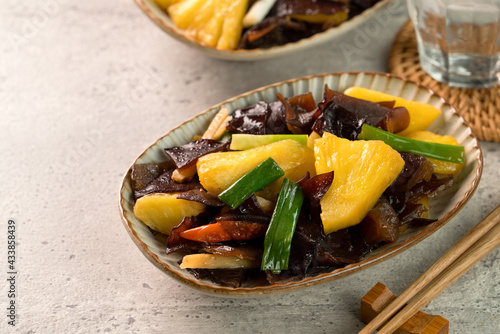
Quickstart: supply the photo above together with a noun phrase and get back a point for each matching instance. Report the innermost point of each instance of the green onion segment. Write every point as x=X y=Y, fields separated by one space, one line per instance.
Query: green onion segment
x=241 y=141
x=278 y=240
x=451 y=153
x=259 y=177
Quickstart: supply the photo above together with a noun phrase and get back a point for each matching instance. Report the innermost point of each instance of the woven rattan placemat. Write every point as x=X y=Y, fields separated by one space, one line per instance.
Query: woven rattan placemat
x=480 y=107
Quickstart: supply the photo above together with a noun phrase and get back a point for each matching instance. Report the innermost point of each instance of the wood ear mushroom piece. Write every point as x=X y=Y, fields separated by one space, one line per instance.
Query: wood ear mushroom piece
x=421 y=323
x=215 y=130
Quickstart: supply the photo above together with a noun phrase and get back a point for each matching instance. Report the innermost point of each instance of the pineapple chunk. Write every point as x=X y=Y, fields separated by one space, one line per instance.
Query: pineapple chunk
x=216 y=23
x=363 y=171
x=200 y=20
x=421 y=114
x=163 y=212
x=217 y=171
x=212 y=30
x=233 y=24
x=440 y=167
x=212 y=261
x=183 y=12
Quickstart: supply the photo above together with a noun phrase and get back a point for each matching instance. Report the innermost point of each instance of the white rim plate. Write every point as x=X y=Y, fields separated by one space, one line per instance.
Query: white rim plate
x=443 y=208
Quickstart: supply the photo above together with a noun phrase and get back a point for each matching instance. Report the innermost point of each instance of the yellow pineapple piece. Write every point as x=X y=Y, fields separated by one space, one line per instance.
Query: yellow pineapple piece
x=213 y=261
x=201 y=18
x=421 y=114
x=440 y=167
x=212 y=30
x=362 y=172
x=217 y=171
x=182 y=13
x=162 y=212
x=216 y=23
x=233 y=24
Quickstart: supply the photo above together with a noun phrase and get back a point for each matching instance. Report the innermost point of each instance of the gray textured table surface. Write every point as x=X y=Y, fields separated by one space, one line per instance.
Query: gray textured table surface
x=84 y=88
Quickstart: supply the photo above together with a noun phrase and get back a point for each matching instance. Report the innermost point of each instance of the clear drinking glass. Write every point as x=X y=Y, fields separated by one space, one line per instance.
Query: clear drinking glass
x=458 y=40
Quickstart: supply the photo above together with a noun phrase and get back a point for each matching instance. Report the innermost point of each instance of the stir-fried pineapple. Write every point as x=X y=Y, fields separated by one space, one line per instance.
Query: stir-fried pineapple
x=162 y=212
x=218 y=171
x=440 y=167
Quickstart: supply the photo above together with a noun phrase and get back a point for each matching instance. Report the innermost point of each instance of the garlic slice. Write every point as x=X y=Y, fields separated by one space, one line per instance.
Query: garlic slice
x=257 y=12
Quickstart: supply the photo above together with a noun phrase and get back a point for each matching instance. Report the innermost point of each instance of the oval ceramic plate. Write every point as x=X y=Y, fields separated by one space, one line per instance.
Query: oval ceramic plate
x=162 y=20
x=443 y=208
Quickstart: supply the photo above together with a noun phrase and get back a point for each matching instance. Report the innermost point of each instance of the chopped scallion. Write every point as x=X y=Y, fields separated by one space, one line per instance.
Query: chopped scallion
x=451 y=153
x=242 y=141
x=259 y=177
x=278 y=240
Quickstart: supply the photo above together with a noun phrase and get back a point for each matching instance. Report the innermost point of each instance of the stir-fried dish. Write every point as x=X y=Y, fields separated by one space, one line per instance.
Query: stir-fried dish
x=250 y=24
x=280 y=191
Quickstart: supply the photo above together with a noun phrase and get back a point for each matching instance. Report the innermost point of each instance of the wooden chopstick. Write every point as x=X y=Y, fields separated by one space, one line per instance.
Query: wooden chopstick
x=454 y=263
x=466 y=261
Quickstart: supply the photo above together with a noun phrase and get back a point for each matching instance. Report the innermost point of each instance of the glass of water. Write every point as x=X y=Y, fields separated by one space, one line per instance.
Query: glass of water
x=458 y=40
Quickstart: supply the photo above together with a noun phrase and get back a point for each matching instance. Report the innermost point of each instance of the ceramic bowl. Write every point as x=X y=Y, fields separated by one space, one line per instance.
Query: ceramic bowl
x=163 y=21
x=443 y=208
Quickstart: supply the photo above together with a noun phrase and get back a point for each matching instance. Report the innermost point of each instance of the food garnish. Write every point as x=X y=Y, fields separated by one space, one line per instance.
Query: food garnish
x=162 y=212
x=253 y=181
x=429 y=149
x=278 y=240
